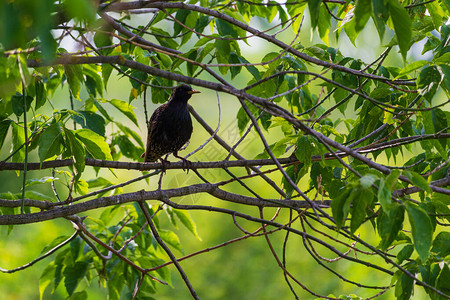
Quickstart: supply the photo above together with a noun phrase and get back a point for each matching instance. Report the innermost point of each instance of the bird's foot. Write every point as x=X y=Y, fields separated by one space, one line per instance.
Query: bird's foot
x=186 y=163
x=164 y=162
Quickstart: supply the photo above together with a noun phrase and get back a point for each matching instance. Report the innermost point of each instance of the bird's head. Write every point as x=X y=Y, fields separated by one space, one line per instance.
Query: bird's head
x=183 y=93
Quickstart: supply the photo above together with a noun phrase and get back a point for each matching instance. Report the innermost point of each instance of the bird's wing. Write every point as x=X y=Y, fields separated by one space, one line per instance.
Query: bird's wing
x=154 y=118
x=152 y=125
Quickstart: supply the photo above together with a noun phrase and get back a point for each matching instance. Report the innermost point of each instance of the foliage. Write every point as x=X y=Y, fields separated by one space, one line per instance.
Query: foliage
x=344 y=129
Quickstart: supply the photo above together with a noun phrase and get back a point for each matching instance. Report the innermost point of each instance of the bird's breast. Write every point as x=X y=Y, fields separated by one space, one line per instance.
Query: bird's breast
x=177 y=113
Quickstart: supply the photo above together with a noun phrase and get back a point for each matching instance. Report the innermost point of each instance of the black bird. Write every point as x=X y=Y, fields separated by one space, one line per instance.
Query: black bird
x=170 y=126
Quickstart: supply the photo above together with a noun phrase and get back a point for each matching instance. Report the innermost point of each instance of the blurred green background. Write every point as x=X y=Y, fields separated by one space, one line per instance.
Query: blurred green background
x=241 y=270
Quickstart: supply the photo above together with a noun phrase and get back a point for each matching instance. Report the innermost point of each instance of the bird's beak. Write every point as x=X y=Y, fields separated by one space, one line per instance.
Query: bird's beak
x=193 y=92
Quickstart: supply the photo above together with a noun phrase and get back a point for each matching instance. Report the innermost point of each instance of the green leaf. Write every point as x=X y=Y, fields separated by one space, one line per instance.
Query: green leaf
x=223 y=50
x=404 y=287
x=46 y=278
x=422 y=230
x=298 y=10
x=225 y=29
x=402 y=25
x=165 y=42
x=441 y=244
x=94 y=81
x=294 y=172
x=4 y=126
x=361 y=200
x=102 y=39
x=172 y=239
x=73 y=275
x=445 y=199
x=59 y=263
x=417 y=180
x=405 y=253
x=428 y=81
x=380 y=15
x=192 y=55
x=367 y=181
x=252 y=69
x=443 y=59
x=240 y=32
x=314 y=11
x=234 y=59
x=181 y=16
x=149 y=262
x=127 y=148
x=159 y=95
x=50 y=142
x=17 y=103
x=75 y=246
x=305 y=149
x=324 y=24
x=5 y=107
x=54 y=243
x=392 y=178
x=18 y=139
x=412 y=67
x=431 y=43
x=82 y=10
x=130 y=133
x=242 y=119
x=328 y=130
x=436 y=13
x=92 y=121
x=126 y=109
x=202 y=22
x=74 y=78
x=363 y=10
x=439 y=120
x=340 y=206
x=99 y=182
x=443 y=279
x=81 y=187
x=36 y=196
x=349 y=28
x=390 y=224
x=281 y=13
x=76 y=149
x=202 y=42
x=384 y=196
x=95 y=144
x=166 y=60
x=171 y=216
x=187 y=221
x=115 y=284
x=445 y=69
x=135 y=80
x=45 y=179
x=41 y=94
x=106 y=73
x=100 y=108
x=79 y=296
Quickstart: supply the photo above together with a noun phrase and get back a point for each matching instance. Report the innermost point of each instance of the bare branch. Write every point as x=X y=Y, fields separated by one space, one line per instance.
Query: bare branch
x=46 y=254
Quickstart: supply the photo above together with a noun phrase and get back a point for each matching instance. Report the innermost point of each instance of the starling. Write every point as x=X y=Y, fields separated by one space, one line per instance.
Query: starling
x=170 y=126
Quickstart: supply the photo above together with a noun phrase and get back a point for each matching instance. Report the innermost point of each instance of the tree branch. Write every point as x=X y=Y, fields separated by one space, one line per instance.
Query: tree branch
x=212 y=189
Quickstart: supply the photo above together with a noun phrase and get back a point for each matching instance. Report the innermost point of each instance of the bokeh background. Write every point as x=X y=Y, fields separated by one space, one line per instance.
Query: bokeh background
x=241 y=270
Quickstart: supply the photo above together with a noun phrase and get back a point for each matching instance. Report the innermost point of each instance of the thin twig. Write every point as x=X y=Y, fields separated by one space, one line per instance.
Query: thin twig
x=46 y=254
x=167 y=249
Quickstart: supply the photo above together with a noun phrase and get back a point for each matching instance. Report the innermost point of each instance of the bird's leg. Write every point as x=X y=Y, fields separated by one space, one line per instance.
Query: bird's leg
x=160 y=181
x=164 y=161
x=186 y=163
